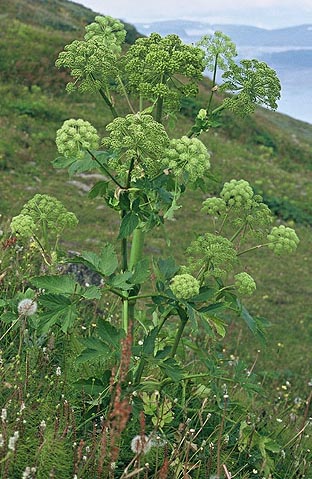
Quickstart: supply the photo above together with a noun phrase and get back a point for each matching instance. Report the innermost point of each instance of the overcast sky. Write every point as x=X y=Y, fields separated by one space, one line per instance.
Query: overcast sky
x=261 y=13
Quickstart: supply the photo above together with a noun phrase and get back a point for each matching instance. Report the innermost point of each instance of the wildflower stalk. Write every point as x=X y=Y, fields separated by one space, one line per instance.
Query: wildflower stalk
x=106 y=99
x=213 y=83
x=178 y=336
x=125 y=94
x=104 y=169
x=252 y=248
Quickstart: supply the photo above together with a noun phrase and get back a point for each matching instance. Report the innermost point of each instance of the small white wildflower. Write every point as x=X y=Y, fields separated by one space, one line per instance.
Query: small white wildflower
x=58 y=371
x=4 y=414
x=27 y=307
x=140 y=342
x=12 y=441
x=43 y=425
x=279 y=420
x=22 y=406
x=141 y=444
x=1 y=440
x=255 y=471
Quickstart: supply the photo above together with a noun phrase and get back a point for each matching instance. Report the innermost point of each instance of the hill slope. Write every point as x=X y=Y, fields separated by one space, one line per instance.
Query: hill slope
x=270 y=150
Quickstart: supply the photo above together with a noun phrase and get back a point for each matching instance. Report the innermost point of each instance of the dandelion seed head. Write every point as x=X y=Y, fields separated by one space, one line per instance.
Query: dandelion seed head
x=27 y=307
x=141 y=444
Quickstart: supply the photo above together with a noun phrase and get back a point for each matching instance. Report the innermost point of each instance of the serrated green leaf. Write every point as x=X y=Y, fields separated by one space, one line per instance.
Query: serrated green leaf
x=92 y=292
x=57 y=284
x=141 y=272
x=62 y=162
x=109 y=334
x=218 y=324
x=205 y=294
x=172 y=369
x=149 y=342
x=128 y=224
x=59 y=309
x=108 y=260
x=249 y=320
x=81 y=165
x=99 y=189
x=105 y=263
x=121 y=281
x=94 y=349
x=167 y=267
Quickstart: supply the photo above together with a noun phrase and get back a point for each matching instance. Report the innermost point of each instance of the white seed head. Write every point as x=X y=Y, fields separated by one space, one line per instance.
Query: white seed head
x=27 y=307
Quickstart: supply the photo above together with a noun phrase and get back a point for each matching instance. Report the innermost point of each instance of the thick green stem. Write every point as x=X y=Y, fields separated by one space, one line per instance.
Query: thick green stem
x=213 y=83
x=159 y=109
x=125 y=315
x=136 y=247
x=178 y=337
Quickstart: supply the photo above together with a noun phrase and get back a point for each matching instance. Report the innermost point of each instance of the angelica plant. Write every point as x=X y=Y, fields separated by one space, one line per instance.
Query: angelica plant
x=43 y=218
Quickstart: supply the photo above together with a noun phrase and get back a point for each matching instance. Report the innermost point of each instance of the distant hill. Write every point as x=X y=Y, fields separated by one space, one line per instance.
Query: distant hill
x=242 y=35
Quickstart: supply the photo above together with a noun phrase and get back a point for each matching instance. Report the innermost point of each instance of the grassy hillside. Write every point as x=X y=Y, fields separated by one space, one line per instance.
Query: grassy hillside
x=270 y=150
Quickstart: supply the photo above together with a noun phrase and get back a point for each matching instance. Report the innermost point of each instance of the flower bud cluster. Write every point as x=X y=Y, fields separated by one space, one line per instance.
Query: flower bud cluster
x=93 y=62
x=137 y=137
x=109 y=30
x=23 y=226
x=245 y=284
x=214 y=253
x=256 y=83
x=283 y=240
x=214 y=206
x=42 y=211
x=237 y=194
x=187 y=158
x=75 y=136
x=184 y=286
x=151 y=62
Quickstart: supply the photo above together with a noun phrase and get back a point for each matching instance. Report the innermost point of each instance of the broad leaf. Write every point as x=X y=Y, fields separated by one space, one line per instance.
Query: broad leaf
x=94 y=349
x=149 y=342
x=99 y=189
x=92 y=292
x=109 y=334
x=172 y=369
x=63 y=284
x=141 y=272
x=128 y=224
x=167 y=267
x=59 y=309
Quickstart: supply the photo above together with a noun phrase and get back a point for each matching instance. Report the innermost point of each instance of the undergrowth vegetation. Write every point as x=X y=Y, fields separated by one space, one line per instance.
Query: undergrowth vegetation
x=130 y=355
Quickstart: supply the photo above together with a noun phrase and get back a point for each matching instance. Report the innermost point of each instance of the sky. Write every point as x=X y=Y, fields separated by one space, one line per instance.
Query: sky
x=261 y=13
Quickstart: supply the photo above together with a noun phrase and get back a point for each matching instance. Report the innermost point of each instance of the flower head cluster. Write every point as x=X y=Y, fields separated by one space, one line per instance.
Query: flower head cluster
x=245 y=284
x=254 y=83
x=184 y=286
x=27 y=307
x=110 y=30
x=218 y=47
x=187 y=158
x=75 y=136
x=237 y=194
x=137 y=138
x=23 y=226
x=283 y=240
x=93 y=61
x=42 y=211
x=152 y=63
x=214 y=253
x=214 y=206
